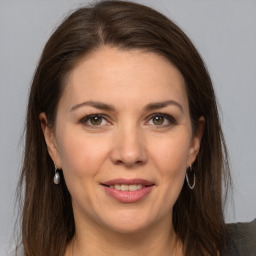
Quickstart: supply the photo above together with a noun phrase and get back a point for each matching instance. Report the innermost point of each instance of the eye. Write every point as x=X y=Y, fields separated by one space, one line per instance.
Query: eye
x=158 y=120
x=161 y=120
x=94 y=120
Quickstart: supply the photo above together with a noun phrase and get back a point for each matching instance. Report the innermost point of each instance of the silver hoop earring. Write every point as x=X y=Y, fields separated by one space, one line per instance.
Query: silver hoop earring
x=194 y=178
x=56 y=178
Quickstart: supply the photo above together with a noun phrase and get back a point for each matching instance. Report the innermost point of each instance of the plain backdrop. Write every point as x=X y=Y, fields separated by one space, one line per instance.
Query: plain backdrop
x=224 y=33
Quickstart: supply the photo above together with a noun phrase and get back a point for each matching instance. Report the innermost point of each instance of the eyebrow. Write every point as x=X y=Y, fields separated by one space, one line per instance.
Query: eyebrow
x=148 y=107
x=95 y=104
x=158 y=105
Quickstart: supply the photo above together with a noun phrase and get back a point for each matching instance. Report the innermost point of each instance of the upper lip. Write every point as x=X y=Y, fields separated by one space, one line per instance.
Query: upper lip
x=128 y=182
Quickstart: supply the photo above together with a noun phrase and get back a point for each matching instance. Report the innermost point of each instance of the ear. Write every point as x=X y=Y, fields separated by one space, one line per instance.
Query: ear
x=50 y=140
x=196 y=141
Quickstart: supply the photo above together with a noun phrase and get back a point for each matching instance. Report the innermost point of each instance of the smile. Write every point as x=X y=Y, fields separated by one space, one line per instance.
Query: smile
x=125 y=187
x=128 y=191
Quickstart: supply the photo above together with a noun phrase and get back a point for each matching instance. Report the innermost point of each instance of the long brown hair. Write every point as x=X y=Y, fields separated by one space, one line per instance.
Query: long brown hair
x=47 y=217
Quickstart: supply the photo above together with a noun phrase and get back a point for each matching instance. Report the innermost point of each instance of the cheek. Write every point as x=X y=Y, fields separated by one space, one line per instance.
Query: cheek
x=170 y=157
x=171 y=154
x=80 y=155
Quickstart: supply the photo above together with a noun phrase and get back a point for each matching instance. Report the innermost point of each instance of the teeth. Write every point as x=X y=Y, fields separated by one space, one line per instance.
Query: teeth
x=139 y=186
x=117 y=187
x=125 y=187
x=133 y=187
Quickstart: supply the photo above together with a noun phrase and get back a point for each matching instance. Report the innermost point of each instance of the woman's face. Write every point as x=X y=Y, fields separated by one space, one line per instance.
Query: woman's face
x=123 y=139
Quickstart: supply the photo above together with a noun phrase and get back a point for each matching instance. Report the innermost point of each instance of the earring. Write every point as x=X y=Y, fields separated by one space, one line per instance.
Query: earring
x=56 y=178
x=187 y=179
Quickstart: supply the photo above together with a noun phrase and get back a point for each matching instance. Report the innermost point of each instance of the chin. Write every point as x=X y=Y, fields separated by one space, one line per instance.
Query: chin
x=128 y=222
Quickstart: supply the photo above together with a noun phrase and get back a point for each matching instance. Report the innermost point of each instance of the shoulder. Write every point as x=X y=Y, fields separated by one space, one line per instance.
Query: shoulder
x=240 y=239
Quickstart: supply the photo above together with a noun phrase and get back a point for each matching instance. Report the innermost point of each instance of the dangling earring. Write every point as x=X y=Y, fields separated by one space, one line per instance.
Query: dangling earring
x=187 y=179
x=56 y=178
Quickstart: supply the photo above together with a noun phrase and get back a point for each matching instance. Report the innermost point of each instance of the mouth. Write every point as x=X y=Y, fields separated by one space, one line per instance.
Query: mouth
x=128 y=190
x=127 y=187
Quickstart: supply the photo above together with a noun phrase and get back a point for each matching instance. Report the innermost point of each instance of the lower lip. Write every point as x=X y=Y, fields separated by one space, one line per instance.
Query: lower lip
x=128 y=196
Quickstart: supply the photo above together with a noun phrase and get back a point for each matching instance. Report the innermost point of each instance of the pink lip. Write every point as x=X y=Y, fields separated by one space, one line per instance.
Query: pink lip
x=128 y=196
x=128 y=182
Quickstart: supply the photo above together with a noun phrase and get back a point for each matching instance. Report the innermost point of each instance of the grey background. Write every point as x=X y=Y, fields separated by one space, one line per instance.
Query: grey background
x=224 y=33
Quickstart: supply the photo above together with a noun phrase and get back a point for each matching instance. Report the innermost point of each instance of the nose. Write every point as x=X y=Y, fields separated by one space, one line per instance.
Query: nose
x=129 y=148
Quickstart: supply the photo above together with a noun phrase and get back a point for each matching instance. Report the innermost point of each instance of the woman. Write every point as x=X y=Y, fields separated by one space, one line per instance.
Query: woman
x=124 y=150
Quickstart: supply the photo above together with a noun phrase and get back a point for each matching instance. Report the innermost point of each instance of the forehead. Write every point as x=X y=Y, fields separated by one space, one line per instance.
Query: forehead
x=109 y=74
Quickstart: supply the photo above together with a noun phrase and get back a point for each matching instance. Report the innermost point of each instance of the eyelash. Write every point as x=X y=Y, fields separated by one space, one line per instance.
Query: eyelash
x=169 y=118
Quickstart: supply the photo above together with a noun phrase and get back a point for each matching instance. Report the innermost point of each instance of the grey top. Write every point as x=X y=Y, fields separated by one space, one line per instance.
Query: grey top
x=241 y=241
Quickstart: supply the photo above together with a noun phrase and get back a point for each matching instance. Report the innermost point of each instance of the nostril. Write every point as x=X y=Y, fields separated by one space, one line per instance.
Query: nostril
x=118 y=162
x=128 y=163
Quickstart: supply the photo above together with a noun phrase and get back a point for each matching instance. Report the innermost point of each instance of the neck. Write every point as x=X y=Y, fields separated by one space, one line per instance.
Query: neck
x=159 y=239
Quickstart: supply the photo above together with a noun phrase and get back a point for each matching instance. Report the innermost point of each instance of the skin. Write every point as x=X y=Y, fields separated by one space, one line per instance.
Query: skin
x=127 y=142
